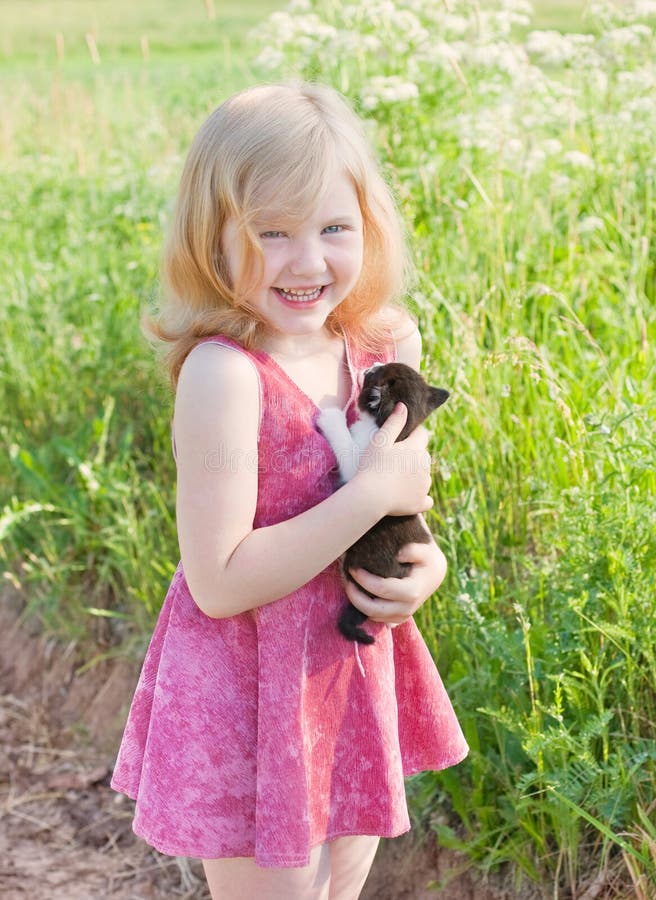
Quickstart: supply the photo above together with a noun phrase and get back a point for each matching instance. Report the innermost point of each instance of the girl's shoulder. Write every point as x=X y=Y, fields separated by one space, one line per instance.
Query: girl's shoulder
x=398 y=320
x=218 y=362
x=217 y=375
x=405 y=334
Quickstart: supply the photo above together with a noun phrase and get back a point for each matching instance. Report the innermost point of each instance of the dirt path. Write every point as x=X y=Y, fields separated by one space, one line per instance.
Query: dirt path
x=65 y=835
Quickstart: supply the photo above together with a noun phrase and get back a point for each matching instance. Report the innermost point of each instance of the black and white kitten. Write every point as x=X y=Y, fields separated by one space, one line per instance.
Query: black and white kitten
x=383 y=387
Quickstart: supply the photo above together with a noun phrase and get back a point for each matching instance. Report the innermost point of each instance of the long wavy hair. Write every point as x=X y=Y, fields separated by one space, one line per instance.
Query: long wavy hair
x=272 y=147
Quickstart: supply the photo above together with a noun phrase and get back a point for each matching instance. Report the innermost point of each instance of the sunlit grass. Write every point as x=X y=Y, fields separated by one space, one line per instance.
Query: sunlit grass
x=48 y=32
x=565 y=15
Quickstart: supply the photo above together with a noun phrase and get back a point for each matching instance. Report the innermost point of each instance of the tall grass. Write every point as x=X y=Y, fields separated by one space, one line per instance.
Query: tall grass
x=92 y=148
x=523 y=163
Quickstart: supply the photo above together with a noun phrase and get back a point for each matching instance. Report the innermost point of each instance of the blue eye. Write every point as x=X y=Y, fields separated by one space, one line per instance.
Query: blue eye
x=272 y=234
x=333 y=229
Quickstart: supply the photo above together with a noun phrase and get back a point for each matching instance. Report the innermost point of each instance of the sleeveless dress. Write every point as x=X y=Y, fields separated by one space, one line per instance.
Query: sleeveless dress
x=263 y=734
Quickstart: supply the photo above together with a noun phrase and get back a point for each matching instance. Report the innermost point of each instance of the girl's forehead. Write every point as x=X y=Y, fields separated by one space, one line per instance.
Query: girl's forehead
x=336 y=197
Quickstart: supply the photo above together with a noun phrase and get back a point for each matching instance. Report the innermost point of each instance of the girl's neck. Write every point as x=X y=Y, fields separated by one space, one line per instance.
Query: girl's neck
x=317 y=363
x=295 y=347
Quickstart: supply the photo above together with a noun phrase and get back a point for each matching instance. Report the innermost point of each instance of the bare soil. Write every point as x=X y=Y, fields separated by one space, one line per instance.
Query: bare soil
x=65 y=835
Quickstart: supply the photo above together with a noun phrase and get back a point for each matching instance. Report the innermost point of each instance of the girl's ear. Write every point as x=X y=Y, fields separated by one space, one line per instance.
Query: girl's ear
x=436 y=397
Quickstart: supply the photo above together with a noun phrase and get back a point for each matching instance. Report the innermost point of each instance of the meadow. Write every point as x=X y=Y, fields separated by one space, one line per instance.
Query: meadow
x=522 y=159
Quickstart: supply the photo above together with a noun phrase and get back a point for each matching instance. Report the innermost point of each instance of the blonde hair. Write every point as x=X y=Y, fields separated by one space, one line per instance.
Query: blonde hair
x=271 y=147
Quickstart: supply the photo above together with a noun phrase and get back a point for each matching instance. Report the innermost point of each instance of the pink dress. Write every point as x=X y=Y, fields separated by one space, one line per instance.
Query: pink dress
x=259 y=735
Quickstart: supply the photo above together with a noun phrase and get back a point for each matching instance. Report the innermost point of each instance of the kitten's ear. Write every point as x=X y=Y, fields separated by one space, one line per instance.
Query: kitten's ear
x=436 y=397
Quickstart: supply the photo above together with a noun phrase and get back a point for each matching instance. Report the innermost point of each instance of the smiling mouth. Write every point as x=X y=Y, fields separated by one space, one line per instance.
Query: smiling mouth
x=306 y=295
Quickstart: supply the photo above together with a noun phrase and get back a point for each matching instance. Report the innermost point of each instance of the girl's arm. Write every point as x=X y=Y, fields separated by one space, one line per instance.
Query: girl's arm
x=396 y=599
x=231 y=567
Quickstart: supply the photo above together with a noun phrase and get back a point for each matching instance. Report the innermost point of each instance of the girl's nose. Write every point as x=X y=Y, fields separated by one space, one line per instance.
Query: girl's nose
x=308 y=258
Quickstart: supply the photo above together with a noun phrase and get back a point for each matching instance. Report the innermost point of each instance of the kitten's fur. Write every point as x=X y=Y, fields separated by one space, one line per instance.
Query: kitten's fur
x=384 y=386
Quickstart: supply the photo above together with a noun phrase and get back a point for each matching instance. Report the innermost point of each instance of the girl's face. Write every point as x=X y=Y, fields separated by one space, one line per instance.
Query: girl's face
x=310 y=267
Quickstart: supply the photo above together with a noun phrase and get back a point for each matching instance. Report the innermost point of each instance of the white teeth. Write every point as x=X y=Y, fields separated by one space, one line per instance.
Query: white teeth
x=303 y=295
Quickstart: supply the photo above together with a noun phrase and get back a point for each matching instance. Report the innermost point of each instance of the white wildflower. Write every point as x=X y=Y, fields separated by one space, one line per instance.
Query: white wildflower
x=455 y=26
x=630 y=36
x=645 y=9
x=552 y=146
x=89 y=478
x=370 y=43
x=493 y=86
x=438 y=55
x=556 y=49
x=269 y=58
x=306 y=44
x=643 y=108
x=640 y=81
x=561 y=184
x=535 y=160
x=578 y=160
x=589 y=224
x=410 y=26
x=597 y=78
x=502 y=56
x=605 y=12
x=499 y=23
x=384 y=89
x=520 y=7
x=514 y=147
x=469 y=607
x=283 y=24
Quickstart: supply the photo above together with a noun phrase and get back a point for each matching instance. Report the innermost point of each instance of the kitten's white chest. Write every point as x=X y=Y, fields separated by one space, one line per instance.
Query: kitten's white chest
x=347 y=443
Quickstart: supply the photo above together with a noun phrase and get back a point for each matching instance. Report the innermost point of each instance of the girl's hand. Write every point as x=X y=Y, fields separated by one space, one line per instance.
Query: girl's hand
x=396 y=599
x=398 y=471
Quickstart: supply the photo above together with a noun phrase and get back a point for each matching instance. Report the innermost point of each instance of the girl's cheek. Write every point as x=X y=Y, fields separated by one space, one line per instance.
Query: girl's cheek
x=272 y=264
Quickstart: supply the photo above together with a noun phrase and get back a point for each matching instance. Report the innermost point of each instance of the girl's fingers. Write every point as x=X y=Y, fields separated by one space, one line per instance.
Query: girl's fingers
x=388 y=590
x=373 y=583
x=414 y=553
x=392 y=426
x=376 y=608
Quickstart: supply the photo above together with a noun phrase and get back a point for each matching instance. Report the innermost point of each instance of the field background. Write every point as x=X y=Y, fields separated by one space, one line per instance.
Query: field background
x=535 y=295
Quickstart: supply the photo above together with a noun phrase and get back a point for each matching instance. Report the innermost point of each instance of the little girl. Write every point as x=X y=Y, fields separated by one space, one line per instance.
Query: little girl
x=257 y=740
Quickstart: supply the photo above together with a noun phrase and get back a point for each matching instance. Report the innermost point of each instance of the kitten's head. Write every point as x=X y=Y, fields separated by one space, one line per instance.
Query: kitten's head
x=387 y=384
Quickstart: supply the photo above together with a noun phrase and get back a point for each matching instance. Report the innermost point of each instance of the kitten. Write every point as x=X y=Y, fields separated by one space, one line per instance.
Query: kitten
x=383 y=387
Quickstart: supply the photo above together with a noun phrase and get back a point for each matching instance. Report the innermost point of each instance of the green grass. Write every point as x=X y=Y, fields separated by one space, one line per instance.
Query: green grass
x=91 y=157
x=532 y=225
x=50 y=32
x=564 y=15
